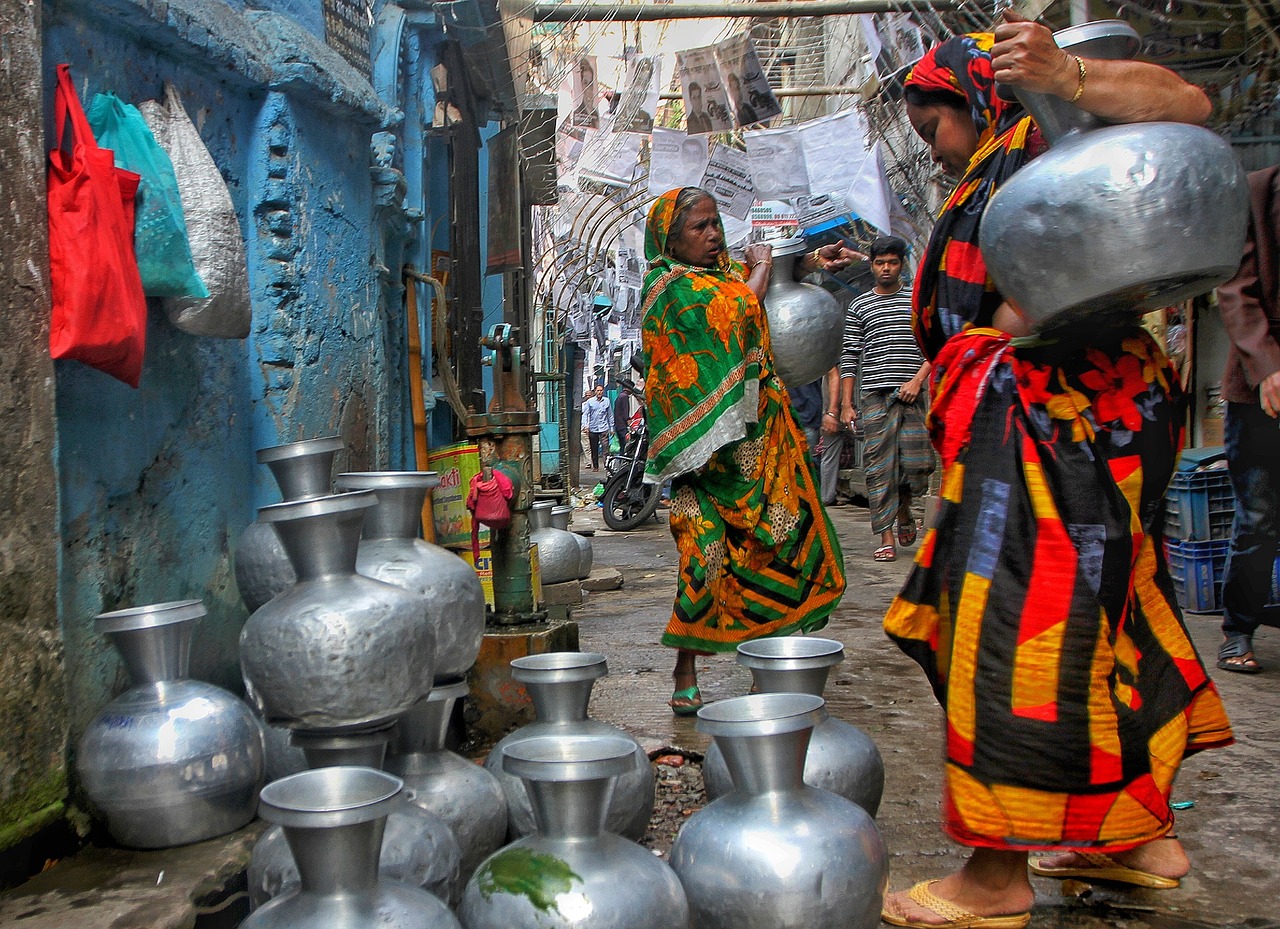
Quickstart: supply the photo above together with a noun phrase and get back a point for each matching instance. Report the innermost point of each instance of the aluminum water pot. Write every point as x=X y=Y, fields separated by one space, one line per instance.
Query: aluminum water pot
x=391 y=551
x=806 y=324
x=558 y=552
x=337 y=650
x=417 y=848
x=776 y=853
x=1113 y=220
x=466 y=796
x=301 y=470
x=560 y=685
x=571 y=873
x=560 y=516
x=333 y=819
x=170 y=761
x=841 y=757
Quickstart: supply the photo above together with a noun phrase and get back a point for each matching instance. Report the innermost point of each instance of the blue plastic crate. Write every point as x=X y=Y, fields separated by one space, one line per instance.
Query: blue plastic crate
x=1199 y=506
x=1197 y=569
x=1275 y=584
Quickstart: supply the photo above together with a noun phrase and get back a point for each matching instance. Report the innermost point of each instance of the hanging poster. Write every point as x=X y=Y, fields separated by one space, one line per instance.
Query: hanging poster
x=776 y=157
x=585 y=92
x=706 y=105
x=832 y=145
x=728 y=179
x=751 y=99
x=609 y=157
x=675 y=160
x=639 y=98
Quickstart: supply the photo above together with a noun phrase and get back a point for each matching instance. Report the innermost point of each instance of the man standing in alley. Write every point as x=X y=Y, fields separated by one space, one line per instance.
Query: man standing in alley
x=882 y=358
x=597 y=413
x=1250 y=306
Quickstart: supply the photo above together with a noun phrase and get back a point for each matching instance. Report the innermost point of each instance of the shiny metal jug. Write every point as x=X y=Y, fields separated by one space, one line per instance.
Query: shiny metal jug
x=1113 y=220
x=559 y=555
x=806 y=324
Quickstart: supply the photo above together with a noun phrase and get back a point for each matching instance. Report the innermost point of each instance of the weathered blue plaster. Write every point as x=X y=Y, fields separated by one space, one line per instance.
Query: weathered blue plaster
x=157 y=484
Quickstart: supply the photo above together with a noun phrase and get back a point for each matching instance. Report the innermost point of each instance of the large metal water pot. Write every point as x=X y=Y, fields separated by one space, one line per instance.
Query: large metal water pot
x=806 y=324
x=1113 y=219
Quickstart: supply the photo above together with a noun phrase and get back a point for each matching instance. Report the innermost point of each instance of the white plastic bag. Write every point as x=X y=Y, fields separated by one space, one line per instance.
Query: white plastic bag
x=216 y=243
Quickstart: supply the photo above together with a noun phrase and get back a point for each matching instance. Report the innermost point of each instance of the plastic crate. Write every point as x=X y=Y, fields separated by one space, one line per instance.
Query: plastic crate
x=1197 y=569
x=1199 y=506
x=1274 y=602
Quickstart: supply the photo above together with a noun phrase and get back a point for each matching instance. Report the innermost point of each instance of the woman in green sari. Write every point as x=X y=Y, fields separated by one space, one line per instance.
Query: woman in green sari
x=758 y=555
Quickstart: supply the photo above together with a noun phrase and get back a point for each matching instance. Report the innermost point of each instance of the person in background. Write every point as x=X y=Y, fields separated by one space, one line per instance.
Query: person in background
x=1039 y=607
x=597 y=414
x=881 y=356
x=831 y=439
x=1250 y=307
x=758 y=554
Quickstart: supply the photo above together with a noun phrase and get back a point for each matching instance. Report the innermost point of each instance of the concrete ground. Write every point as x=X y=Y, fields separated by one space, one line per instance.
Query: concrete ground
x=1232 y=832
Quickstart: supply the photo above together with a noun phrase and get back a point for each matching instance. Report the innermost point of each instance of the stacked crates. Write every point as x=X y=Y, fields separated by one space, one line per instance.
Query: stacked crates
x=1199 y=508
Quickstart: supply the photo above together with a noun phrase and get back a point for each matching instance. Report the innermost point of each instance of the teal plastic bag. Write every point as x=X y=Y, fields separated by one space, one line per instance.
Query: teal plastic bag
x=160 y=230
x=614 y=446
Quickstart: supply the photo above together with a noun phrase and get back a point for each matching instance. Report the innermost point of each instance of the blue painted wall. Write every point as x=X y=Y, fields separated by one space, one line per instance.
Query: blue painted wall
x=157 y=484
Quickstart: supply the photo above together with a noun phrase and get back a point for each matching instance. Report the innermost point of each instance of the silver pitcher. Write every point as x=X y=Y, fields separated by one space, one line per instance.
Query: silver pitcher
x=560 y=685
x=1113 y=220
x=337 y=650
x=391 y=551
x=466 y=796
x=571 y=873
x=170 y=761
x=301 y=470
x=333 y=819
x=560 y=517
x=806 y=324
x=841 y=757
x=776 y=853
x=418 y=848
x=558 y=553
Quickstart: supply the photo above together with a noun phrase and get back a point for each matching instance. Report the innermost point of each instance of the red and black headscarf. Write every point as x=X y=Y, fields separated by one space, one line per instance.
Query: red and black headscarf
x=953 y=291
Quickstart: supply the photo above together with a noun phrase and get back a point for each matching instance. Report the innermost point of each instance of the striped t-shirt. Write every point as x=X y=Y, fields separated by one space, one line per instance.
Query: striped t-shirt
x=879 y=341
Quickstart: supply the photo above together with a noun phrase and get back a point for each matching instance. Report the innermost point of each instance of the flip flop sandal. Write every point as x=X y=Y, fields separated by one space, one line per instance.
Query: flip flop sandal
x=1238 y=646
x=1102 y=867
x=693 y=698
x=956 y=917
x=907 y=535
x=885 y=553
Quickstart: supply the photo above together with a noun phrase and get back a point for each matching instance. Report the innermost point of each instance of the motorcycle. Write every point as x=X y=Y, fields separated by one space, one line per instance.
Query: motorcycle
x=628 y=501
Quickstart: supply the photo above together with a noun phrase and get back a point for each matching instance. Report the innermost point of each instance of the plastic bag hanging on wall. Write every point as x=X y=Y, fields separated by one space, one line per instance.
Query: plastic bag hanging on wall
x=99 y=311
x=160 y=233
x=217 y=246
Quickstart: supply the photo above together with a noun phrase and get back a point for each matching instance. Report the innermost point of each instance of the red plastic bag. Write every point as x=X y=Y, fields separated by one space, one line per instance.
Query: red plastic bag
x=490 y=503
x=99 y=311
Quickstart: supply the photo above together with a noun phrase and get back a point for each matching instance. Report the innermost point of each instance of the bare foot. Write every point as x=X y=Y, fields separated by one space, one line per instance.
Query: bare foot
x=991 y=883
x=1164 y=857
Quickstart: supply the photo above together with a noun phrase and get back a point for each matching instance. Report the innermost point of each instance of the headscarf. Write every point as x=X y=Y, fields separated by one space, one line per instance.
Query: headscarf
x=705 y=345
x=953 y=291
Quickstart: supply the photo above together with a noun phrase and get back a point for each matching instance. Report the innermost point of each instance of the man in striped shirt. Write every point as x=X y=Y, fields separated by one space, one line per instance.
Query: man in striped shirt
x=882 y=358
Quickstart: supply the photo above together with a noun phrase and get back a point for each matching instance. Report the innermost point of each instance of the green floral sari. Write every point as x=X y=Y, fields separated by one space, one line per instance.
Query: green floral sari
x=758 y=555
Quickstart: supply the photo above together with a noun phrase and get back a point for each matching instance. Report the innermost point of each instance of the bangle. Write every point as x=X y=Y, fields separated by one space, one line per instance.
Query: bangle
x=1080 y=86
x=829 y=413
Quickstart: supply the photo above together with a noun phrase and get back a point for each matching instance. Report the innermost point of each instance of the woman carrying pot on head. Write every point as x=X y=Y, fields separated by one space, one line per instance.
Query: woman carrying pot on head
x=758 y=556
x=1040 y=606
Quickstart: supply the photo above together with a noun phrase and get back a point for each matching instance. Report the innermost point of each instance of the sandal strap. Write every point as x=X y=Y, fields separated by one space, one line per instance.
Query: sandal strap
x=921 y=894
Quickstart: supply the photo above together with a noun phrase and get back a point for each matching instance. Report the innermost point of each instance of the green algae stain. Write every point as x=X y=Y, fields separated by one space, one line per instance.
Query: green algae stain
x=526 y=873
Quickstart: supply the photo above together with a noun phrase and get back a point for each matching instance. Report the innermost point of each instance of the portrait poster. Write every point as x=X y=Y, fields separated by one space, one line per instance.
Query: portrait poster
x=728 y=179
x=638 y=100
x=676 y=159
x=609 y=157
x=585 y=92
x=751 y=99
x=706 y=105
x=776 y=158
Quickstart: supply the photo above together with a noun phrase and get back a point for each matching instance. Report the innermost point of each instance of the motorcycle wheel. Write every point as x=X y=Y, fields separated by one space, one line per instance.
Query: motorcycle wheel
x=626 y=509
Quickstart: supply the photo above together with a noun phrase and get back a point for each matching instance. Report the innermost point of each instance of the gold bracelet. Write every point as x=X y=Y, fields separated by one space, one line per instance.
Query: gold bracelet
x=1080 y=86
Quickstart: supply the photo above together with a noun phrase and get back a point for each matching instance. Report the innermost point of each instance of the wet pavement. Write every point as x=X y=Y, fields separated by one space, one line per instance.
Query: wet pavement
x=1231 y=832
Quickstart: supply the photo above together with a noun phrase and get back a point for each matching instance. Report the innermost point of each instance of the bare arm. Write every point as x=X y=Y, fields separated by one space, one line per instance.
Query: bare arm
x=759 y=261
x=1026 y=56
x=831 y=412
x=911 y=389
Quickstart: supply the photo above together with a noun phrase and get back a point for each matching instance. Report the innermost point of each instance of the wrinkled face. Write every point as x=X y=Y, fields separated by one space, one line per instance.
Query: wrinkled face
x=699 y=243
x=887 y=270
x=950 y=134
